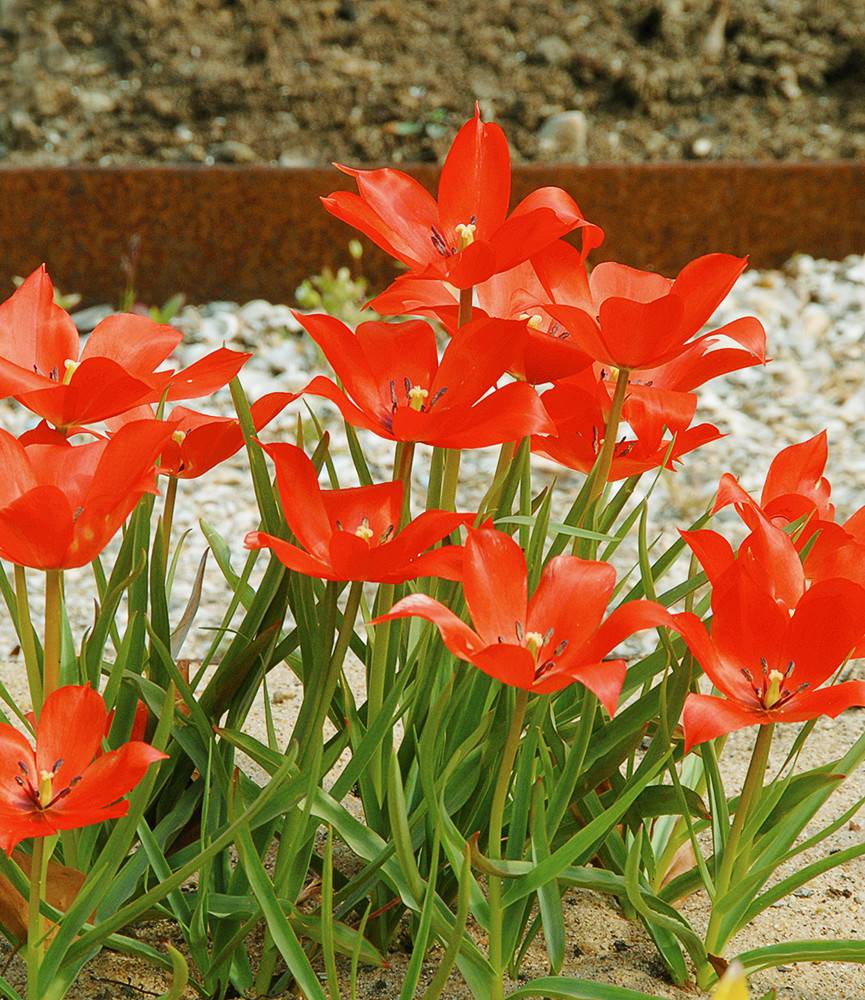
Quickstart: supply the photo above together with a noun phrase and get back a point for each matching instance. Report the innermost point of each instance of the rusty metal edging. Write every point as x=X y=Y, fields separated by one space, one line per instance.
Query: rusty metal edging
x=257 y=231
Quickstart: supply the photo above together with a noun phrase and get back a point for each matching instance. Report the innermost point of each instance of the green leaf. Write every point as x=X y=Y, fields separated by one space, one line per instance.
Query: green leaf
x=566 y=988
x=802 y=951
x=662 y=800
x=281 y=931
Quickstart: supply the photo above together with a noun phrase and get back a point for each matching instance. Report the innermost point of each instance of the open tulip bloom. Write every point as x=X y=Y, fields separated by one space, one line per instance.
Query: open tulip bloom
x=580 y=405
x=44 y=368
x=541 y=644
x=770 y=663
x=466 y=235
x=67 y=781
x=642 y=320
x=396 y=386
x=60 y=504
x=354 y=534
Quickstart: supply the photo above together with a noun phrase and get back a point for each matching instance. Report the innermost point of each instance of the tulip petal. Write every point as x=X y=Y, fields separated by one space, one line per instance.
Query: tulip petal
x=289 y=555
x=571 y=599
x=828 y=622
x=136 y=343
x=108 y=779
x=69 y=733
x=457 y=636
x=703 y=284
x=705 y=717
x=508 y=414
x=301 y=498
x=494 y=582
x=207 y=375
x=831 y=700
x=475 y=182
x=36 y=331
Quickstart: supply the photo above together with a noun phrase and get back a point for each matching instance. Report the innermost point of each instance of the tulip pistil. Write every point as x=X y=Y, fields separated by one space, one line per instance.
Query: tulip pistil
x=363 y=530
x=465 y=234
x=69 y=369
x=417 y=397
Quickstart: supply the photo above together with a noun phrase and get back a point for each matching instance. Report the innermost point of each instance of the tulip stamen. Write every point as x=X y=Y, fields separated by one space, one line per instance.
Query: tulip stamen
x=438 y=395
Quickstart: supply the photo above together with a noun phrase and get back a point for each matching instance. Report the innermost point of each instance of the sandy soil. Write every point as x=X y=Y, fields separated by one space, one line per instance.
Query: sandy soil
x=368 y=80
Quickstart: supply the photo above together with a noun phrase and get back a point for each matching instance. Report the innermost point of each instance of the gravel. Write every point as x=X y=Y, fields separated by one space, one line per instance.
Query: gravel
x=814 y=313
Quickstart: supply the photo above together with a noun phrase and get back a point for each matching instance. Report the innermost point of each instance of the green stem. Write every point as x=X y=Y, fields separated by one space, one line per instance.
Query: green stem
x=748 y=800
x=451 y=479
x=377 y=682
x=605 y=458
x=53 y=612
x=27 y=638
x=494 y=847
x=168 y=518
x=35 y=928
x=402 y=463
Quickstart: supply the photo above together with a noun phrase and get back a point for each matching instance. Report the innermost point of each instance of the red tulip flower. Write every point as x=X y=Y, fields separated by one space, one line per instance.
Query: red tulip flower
x=395 y=385
x=580 y=405
x=61 y=504
x=641 y=320
x=354 y=534
x=795 y=489
x=67 y=781
x=467 y=235
x=541 y=644
x=42 y=366
x=201 y=441
x=546 y=353
x=770 y=662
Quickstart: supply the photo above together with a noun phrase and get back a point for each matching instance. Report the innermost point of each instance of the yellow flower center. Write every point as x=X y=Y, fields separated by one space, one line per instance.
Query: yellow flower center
x=178 y=437
x=534 y=641
x=69 y=369
x=773 y=689
x=465 y=234
x=417 y=397
x=46 y=793
x=535 y=320
x=364 y=531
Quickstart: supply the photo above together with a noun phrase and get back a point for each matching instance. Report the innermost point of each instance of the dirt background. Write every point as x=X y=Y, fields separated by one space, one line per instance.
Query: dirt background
x=309 y=81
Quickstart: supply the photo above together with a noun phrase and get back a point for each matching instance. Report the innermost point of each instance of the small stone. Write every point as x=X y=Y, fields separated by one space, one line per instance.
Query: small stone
x=96 y=102
x=233 y=151
x=702 y=147
x=553 y=49
x=565 y=136
x=789 y=82
x=803 y=893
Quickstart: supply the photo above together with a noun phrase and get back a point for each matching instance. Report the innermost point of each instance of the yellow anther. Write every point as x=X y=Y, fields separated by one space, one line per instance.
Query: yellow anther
x=417 y=397
x=46 y=793
x=773 y=691
x=178 y=437
x=69 y=369
x=364 y=531
x=534 y=641
x=465 y=234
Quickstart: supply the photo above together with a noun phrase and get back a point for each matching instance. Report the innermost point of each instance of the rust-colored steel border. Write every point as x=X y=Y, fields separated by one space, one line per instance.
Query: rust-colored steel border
x=256 y=232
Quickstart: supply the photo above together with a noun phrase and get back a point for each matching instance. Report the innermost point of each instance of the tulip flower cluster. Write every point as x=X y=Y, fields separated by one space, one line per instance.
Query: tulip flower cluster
x=527 y=720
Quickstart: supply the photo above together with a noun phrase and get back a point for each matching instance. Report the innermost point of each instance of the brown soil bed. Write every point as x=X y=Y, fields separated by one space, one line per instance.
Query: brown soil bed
x=372 y=80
